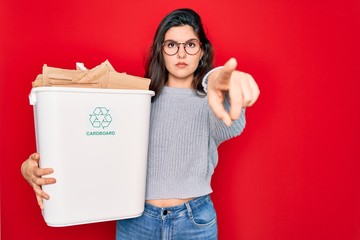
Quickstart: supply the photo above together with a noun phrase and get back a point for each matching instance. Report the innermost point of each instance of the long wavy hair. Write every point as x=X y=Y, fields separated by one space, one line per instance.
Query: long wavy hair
x=155 y=65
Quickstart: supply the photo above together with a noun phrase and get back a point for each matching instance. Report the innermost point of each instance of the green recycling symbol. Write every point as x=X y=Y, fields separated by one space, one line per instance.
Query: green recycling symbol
x=100 y=117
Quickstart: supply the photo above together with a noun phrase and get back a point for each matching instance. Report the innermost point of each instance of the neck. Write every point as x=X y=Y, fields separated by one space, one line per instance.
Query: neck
x=180 y=83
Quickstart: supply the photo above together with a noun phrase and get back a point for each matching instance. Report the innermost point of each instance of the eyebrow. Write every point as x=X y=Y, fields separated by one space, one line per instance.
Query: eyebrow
x=184 y=42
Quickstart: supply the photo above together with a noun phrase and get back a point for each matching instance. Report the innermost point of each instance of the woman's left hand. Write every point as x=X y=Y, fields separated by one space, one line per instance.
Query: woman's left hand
x=241 y=88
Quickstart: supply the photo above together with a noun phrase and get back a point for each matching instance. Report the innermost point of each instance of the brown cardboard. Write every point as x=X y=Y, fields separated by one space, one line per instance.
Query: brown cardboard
x=101 y=76
x=38 y=81
x=52 y=75
x=125 y=81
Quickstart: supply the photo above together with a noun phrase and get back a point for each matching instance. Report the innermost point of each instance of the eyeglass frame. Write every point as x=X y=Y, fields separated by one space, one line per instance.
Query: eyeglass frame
x=178 y=46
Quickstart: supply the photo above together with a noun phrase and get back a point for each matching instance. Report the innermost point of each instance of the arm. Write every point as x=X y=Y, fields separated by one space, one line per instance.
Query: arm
x=220 y=132
x=33 y=174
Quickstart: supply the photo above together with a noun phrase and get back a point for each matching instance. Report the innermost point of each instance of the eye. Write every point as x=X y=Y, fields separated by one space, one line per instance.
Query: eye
x=171 y=44
x=191 y=44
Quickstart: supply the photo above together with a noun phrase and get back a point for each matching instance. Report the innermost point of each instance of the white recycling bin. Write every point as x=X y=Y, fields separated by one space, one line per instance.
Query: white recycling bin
x=96 y=140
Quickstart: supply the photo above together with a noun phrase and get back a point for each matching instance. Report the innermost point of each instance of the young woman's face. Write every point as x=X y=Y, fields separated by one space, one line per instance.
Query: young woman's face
x=182 y=64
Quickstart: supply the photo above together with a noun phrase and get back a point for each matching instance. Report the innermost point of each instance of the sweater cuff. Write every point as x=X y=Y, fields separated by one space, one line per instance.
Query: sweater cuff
x=205 y=79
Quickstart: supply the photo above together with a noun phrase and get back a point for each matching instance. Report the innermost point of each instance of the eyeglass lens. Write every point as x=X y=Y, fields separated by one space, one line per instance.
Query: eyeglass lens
x=191 y=47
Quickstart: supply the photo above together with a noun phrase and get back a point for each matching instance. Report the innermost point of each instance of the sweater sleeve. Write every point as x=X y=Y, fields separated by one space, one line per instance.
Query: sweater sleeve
x=218 y=129
x=206 y=77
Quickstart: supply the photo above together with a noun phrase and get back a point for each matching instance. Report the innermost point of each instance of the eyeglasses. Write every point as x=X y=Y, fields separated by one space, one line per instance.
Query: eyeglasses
x=191 y=47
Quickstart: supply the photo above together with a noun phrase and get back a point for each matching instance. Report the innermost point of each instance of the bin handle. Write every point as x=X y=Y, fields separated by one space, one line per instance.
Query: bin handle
x=32 y=99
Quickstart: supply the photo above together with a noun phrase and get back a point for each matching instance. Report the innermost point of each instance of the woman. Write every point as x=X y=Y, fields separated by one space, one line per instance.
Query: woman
x=186 y=127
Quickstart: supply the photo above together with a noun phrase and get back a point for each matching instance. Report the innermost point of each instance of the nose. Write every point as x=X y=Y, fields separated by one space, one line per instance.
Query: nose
x=181 y=52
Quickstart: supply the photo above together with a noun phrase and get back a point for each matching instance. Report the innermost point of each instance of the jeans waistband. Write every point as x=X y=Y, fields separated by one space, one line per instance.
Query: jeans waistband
x=175 y=211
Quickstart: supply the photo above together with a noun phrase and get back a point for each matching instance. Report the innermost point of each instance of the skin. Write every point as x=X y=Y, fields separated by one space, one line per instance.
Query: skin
x=181 y=66
x=241 y=88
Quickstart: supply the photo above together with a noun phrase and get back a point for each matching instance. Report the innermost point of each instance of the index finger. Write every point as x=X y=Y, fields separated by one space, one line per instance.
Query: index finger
x=225 y=73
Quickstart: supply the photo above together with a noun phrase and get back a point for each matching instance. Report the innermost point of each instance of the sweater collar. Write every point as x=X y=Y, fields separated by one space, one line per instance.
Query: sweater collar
x=174 y=90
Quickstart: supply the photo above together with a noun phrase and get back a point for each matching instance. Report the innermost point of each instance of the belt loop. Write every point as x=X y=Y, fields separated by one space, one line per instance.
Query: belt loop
x=188 y=207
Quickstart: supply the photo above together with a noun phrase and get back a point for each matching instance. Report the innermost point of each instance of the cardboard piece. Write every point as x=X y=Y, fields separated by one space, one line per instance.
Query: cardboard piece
x=125 y=81
x=101 y=76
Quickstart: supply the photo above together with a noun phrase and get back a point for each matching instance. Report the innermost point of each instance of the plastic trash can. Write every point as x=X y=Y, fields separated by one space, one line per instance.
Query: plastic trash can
x=96 y=140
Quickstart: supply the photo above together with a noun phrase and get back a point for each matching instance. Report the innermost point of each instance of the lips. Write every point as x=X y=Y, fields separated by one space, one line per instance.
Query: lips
x=181 y=64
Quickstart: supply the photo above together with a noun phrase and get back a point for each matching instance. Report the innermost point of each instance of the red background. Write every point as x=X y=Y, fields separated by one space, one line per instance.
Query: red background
x=294 y=172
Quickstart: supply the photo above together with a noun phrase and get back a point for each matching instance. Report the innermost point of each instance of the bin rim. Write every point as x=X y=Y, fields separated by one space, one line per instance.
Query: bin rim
x=91 y=90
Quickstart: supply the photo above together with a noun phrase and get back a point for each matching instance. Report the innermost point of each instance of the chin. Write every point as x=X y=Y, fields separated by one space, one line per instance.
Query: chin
x=183 y=74
x=183 y=77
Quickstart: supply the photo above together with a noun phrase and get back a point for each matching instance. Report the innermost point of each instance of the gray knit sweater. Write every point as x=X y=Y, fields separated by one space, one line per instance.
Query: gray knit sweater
x=183 y=141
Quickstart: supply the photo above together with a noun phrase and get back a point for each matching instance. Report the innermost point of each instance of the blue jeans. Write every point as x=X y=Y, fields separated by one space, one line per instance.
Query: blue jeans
x=195 y=219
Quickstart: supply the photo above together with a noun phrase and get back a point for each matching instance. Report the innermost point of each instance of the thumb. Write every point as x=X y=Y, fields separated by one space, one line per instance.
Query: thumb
x=35 y=157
